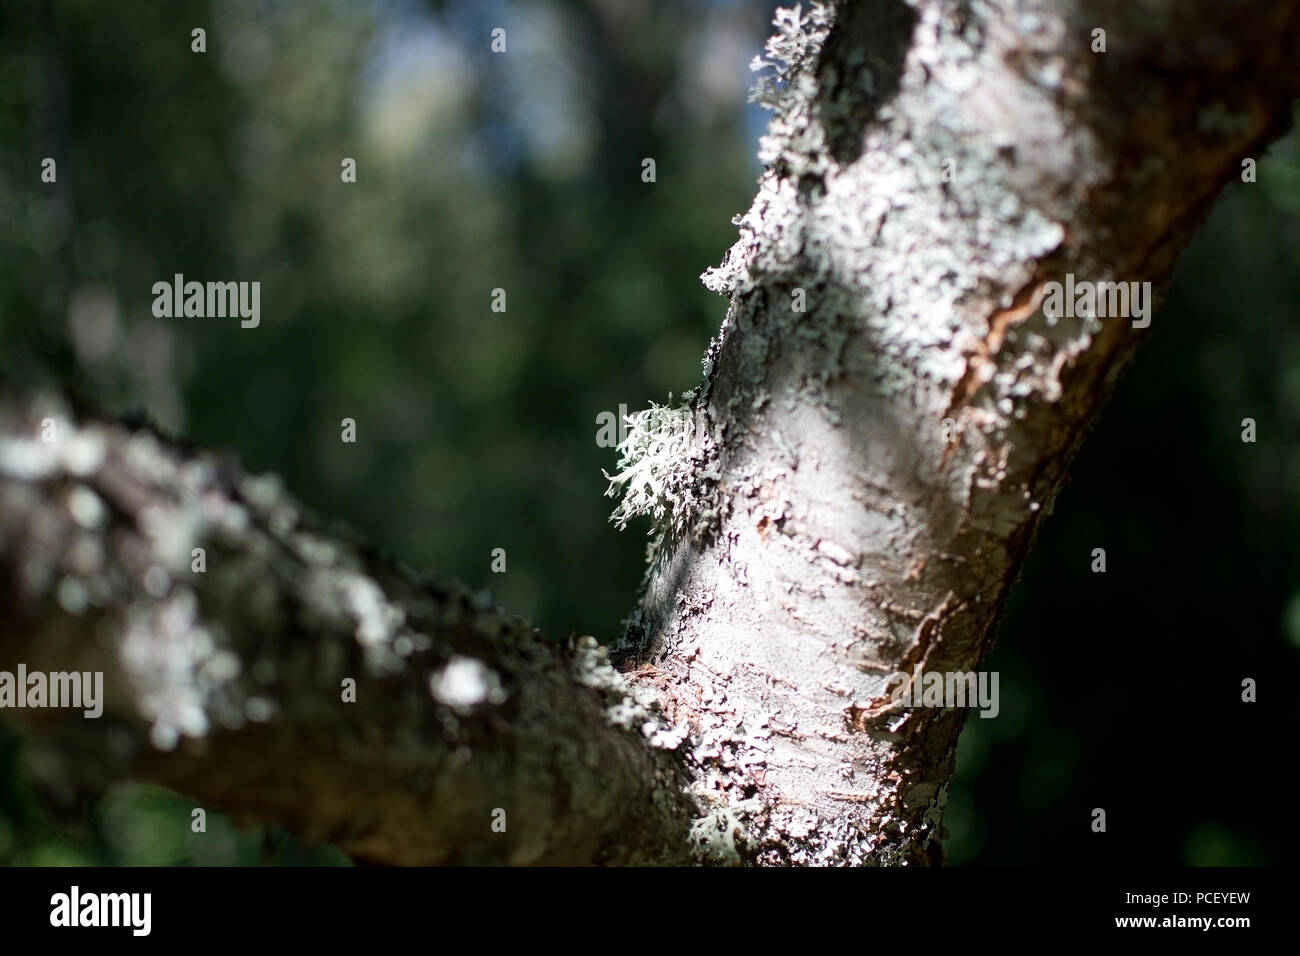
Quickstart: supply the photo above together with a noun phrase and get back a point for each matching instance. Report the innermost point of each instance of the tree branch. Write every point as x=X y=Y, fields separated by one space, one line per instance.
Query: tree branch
x=227 y=683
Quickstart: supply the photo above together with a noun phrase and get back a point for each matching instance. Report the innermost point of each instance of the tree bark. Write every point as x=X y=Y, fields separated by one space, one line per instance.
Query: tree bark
x=930 y=168
x=469 y=737
x=839 y=536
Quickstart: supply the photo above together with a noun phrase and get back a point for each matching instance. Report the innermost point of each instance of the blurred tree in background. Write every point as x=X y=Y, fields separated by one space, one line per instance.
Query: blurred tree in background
x=477 y=429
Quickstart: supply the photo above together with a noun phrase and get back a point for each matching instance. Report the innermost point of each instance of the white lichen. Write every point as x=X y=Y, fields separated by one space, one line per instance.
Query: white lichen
x=664 y=466
x=465 y=683
x=626 y=705
x=722 y=833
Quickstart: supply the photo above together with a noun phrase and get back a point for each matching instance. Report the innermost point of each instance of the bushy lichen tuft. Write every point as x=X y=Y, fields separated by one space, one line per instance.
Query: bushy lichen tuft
x=797 y=39
x=664 y=467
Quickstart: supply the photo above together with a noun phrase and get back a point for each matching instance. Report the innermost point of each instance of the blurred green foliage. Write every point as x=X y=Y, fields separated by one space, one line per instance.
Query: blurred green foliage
x=476 y=430
x=135 y=825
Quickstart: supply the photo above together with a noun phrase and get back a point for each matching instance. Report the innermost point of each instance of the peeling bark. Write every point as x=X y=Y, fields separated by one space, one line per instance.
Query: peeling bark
x=817 y=533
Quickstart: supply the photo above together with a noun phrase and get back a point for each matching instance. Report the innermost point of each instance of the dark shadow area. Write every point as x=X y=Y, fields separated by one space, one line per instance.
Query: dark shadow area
x=848 y=101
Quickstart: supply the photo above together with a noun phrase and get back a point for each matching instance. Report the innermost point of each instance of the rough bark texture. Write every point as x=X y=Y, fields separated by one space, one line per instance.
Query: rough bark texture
x=819 y=531
x=840 y=536
x=227 y=683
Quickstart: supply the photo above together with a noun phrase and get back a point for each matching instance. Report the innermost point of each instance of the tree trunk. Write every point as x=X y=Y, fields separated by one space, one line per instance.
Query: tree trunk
x=886 y=416
x=879 y=462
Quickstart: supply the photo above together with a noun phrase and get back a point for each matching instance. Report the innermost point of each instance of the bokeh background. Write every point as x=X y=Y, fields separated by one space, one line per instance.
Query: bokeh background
x=477 y=430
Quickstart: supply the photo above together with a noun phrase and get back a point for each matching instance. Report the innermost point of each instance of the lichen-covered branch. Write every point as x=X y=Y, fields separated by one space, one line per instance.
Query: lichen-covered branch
x=896 y=393
x=226 y=622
